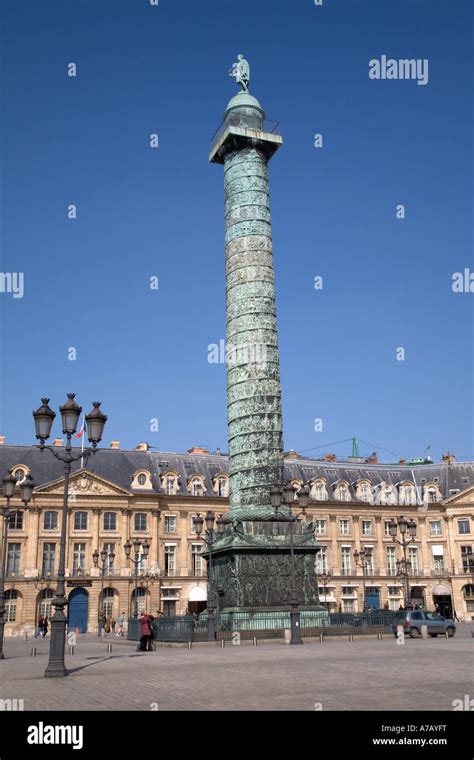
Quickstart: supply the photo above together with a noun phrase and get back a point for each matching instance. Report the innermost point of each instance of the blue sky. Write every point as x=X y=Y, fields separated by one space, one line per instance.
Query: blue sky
x=144 y=212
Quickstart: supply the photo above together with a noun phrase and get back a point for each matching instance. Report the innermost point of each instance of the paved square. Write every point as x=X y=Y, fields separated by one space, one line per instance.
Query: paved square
x=337 y=675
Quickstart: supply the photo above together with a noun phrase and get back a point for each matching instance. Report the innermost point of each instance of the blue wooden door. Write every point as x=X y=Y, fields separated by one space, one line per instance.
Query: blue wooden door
x=372 y=599
x=78 y=609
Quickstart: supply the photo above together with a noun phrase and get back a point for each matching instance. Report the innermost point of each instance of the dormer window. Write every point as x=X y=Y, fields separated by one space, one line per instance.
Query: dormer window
x=222 y=487
x=342 y=492
x=196 y=485
x=318 y=490
x=142 y=479
x=20 y=471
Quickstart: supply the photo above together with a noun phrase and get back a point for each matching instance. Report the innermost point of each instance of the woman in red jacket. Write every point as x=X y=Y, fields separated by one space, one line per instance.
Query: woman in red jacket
x=146 y=634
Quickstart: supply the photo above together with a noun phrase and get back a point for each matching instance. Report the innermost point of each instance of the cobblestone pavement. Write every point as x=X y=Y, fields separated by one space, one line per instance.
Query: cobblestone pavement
x=337 y=675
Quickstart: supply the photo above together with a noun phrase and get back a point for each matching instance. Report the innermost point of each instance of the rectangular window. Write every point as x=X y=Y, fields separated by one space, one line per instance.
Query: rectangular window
x=413 y=558
x=346 y=566
x=435 y=528
x=438 y=562
x=369 y=561
x=140 y=522
x=79 y=559
x=366 y=527
x=110 y=521
x=196 y=560
x=80 y=520
x=13 y=559
x=348 y=605
x=467 y=559
x=464 y=526
x=50 y=521
x=170 y=524
x=15 y=521
x=344 y=527
x=391 y=561
x=386 y=528
x=170 y=560
x=348 y=591
x=320 y=527
x=470 y=606
x=394 y=591
x=49 y=551
x=322 y=560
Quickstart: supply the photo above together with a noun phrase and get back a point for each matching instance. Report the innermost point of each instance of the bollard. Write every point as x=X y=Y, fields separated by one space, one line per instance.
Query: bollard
x=424 y=631
x=25 y=636
x=33 y=651
x=321 y=638
x=351 y=637
x=190 y=644
x=446 y=635
x=222 y=643
x=109 y=648
x=255 y=641
x=71 y=650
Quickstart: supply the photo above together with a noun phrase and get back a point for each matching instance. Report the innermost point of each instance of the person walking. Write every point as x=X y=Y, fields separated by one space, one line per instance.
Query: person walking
x=120 y=621
x=39 y=630
x=112 y=625
x=45 y=626
x=146 y=633
x=107 y=624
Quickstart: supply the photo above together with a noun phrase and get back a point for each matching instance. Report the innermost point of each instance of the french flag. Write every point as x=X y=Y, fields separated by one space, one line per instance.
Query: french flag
x=81 y=432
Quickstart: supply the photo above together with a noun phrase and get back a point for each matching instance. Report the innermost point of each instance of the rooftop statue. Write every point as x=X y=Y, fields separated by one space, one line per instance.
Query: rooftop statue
x=241 y=72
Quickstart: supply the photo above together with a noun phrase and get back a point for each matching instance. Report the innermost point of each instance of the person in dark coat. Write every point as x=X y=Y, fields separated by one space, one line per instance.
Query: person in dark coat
x=146 y=634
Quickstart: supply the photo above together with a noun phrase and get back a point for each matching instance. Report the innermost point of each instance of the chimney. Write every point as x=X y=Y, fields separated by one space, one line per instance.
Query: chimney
x=2 y=440
x=114 y=444
x=142 y=446
x=373 y=459
x=448 y=458
x=292 y=454
x=58 y=442
x=198 y=450
x=330 y=458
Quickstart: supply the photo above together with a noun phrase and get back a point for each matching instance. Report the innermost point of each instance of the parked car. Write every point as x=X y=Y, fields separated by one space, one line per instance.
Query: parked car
x=412 y=620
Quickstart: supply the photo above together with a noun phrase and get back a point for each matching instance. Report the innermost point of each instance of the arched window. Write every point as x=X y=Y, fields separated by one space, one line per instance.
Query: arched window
x=196 y=486
x=468 y=591
x=141 y=600
x=44 y=607
x=11 y=600
x=141 y=479
x=108 y=601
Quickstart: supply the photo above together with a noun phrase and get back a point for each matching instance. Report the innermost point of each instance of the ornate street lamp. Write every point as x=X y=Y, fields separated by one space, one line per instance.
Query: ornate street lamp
x=44 y=417
x=288 y=493
x=136 y=560
x=107 y=559
x=324 y=579
x=403 y=565
x=9 y=483
x=363 y=558
x=209 y=538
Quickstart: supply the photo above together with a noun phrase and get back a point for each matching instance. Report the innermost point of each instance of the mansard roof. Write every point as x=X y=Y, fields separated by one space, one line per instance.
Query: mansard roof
x=118 y=466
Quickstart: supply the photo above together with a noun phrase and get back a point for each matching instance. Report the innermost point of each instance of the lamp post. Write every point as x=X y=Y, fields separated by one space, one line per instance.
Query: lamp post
x=26 y=490
x=289 y=498
x=363 y=558
x=403 y=565
x=209 y=537
x=136 y=561
x=107 y=559
x=95 y=420
x=324 y=579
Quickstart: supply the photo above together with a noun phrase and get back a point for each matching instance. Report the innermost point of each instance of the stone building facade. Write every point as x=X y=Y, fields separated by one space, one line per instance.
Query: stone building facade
x=153 y=496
